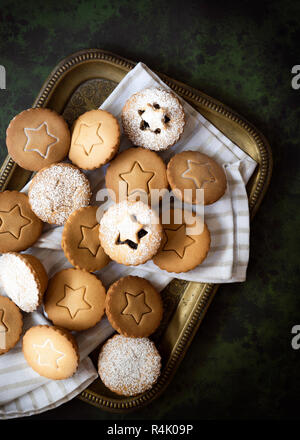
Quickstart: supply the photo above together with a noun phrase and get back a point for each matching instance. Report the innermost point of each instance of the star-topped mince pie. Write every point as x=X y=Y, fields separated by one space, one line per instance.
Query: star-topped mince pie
x=80 y=240
x=19 y=226
x=51 y=351
x=74 y=299
x=37 y=137
x=133 y=306
x=95 y=139
x=136 y=172
x=192 y=171
x=185 y=245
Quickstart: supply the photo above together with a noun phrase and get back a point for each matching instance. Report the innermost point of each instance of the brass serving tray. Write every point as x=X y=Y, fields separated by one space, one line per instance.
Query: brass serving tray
x=82 y=82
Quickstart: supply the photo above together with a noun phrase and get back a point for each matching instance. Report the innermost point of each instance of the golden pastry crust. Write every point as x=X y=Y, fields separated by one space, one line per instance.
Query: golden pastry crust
x=130 y=233
x=80 y=240
x=37 y=137
x=11 y=324
x=139 y=170
x=51 y=351
x=57 y=191
x=153 y=118
x=134 y=307
x=129 y=366
x=24 y=279
x=74 y=299
x=180 y=251
x=194 y=170
x=19 y=226
x=95 y=139
x=37 y=269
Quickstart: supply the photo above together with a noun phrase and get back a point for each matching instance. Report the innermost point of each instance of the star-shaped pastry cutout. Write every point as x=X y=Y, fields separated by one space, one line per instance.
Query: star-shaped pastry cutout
x=129 y=229
x=73 y=300
x=199 y=173
x=154 y=118
x=40 y=140
x=90 y=239
x=13 y=221
x=3 y=326
x=88 y=137
x=136 y=306
x=47 y=354
x=137 y=179
x=177 y=240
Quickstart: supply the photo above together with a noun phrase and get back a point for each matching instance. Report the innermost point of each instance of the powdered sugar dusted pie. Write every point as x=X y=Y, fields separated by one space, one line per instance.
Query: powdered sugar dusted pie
x=153 y=118
x=129 y=366
x=58 y=190
x=23 y=279
x=130 y=233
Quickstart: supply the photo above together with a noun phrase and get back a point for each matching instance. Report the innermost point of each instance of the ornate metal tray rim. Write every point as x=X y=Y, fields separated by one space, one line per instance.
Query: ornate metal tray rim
x=206 y=292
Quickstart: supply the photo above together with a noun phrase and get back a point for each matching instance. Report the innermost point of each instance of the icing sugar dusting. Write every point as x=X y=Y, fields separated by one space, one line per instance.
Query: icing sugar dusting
x=129 y=365
x=57 y=191
x=18 y=282
x=142 y=107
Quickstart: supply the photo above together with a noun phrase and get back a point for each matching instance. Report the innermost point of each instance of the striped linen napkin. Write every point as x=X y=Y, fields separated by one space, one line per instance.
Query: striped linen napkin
x=228 y=218
x=22 y=391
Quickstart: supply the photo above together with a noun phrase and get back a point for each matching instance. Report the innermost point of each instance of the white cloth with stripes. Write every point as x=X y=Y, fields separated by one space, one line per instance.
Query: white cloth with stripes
x=22 y=391
x=228 y=218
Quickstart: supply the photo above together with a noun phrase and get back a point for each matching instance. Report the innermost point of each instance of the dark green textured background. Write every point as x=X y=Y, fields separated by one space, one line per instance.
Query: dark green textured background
x=240 y=364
